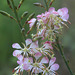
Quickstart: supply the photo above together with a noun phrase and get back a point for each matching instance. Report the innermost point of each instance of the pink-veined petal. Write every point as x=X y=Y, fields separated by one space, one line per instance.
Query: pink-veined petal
x=37 y=55
x=52 y=61
x=62 y=11
x=54 y=67
x=65 y=17
x=28 y=41
x=31 y=22
x=44 y=60
x=17 y=52
x=16 y=45
x=48 y=45
x=34 y=45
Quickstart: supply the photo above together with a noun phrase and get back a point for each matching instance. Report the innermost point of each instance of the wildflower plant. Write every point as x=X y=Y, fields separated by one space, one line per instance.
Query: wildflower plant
x=37 y=54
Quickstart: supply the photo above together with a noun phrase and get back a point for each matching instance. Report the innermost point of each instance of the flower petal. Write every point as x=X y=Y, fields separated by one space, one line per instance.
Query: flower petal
x=37 y=55
x=28 y=41
x=34 y=45
x=44 y=60
x=52 y=61
x=16 y=45
x=54 y=67
x=52 y=9
x=48 y=45
x=17 y=52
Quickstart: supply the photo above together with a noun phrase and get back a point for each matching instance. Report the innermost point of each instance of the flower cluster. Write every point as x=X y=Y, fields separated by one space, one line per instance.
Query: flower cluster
x=33 y=57
x=50 y=23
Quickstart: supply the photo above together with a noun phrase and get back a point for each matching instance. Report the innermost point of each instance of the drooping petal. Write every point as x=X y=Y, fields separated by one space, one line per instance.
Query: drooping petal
x=16 y=45
x=28 y=41
x=37 y=55
x=52 y=61
x=44 y=60
x=54 y=67
x=17 y=52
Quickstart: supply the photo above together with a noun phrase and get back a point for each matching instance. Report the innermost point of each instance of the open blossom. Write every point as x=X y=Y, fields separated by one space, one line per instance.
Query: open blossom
x=46 y=49
x=23 y=62
x=26 y=49
x=52 y=68
x=37 y=66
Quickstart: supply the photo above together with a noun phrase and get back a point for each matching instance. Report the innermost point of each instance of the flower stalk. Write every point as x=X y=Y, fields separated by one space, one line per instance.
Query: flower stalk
x=63 y=56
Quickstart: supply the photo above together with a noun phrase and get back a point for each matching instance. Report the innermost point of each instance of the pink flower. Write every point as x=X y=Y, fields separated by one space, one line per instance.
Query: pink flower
x=24 y=63
x=52 y=67
x=26 y=49
x=31 y=22
x=37 y=67
x=63 y=12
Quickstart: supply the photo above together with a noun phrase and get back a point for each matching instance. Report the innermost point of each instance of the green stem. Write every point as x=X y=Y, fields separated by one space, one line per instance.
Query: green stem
x=16 y=14
x=63 y=56
x=18 y=21
x=46 y=5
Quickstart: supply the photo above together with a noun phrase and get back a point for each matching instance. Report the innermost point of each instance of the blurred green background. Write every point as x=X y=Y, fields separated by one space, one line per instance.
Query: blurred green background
x=10 y=33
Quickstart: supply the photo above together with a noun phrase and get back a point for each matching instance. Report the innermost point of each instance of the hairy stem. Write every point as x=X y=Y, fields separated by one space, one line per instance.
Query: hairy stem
x=63 y=56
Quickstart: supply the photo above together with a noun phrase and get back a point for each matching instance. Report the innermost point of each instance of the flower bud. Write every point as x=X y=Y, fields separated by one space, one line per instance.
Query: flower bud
x=4 y=13
x=24 y=14
x=9 y=4
x=38 y=4
x=20 y=3
x=31 y=16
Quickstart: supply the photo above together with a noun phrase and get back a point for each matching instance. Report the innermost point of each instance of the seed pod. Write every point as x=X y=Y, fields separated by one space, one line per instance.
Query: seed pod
x=4 y=13
x=38 y=4
x=24 y=14
x=31 y=16
x=9 y=4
